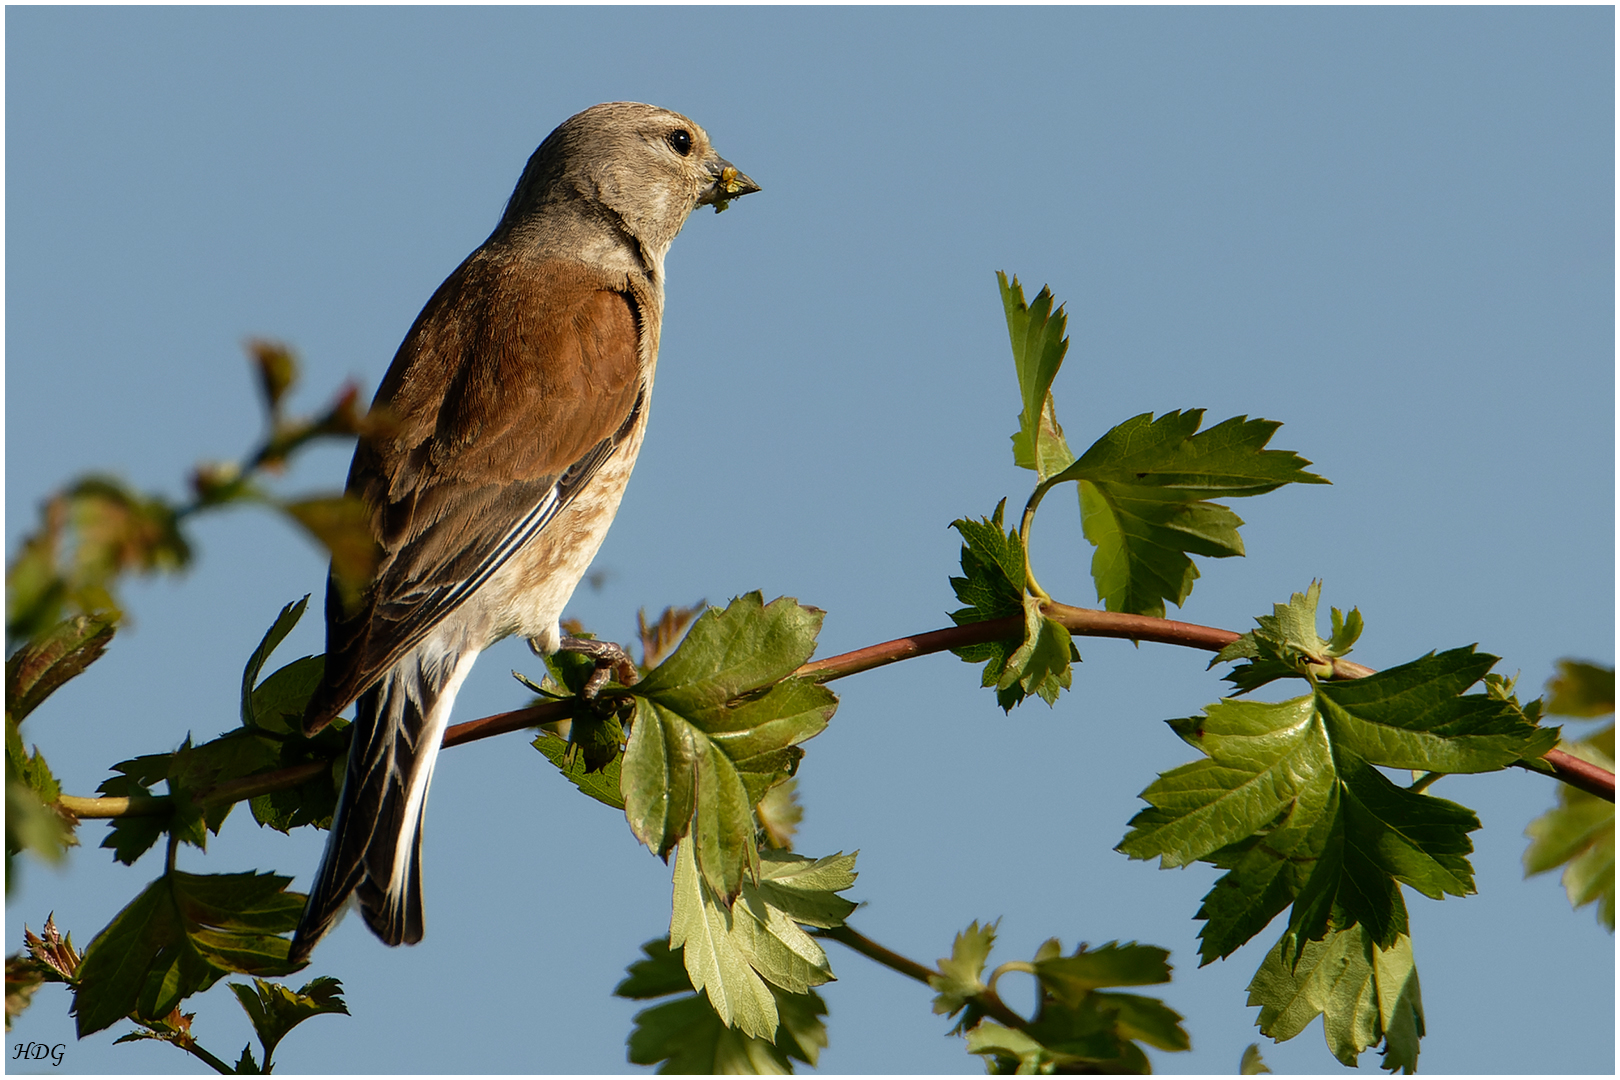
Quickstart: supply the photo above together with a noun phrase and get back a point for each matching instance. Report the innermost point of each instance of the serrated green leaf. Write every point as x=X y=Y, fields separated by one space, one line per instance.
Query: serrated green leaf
x=1364 y=994
x=40 y=667
x=779 y=814
x=992 y=587
x=961 y=974
x=315 y=801
x=715 y=963
x=726 y=654
x=1054 y=452
x=1008 y=1050
x=1286 y=642
x=1578 y=834
x=717 y=725
x=24 y=975
x=177 y=938
x=806 y=890
x=1416 y=716
x=659 y=777
x=1144 y=490
x=1036 y=333
x=274 y=1010
x=1041 y=665
x=688 y=1036
x=1071 y=978
x=279 y=629
x=278 y=702
x=660 y=972
x=1287 y=799
x=732 y=953
x=131 y=837
x=604 y=786
x=1252 y=1064
x=1581 y=689
x=1145 y=1019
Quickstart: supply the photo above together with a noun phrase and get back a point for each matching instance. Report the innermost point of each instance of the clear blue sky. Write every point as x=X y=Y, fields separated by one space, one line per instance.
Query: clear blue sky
x=1391 y=229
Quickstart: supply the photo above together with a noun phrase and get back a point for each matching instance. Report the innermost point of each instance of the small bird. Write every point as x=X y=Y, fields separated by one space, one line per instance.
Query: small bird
x=516 y=406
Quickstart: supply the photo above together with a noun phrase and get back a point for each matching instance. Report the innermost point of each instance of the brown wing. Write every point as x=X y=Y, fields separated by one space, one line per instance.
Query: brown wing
x=516 y=382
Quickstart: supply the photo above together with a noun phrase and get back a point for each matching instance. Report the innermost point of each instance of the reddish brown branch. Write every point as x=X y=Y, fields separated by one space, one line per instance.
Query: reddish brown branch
x=1592 y=779
x=547 y=712
x=1085 y=622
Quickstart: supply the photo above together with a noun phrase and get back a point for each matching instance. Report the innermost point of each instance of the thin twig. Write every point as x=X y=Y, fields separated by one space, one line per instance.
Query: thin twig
x=986 y=999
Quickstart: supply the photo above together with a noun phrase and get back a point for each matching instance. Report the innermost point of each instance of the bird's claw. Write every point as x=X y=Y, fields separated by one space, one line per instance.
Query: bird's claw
x=610 y=660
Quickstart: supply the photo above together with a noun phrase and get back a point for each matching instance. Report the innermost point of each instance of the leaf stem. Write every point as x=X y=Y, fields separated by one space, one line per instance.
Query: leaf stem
x=1422 y=783
x=1028 y=520
x=189 y=1045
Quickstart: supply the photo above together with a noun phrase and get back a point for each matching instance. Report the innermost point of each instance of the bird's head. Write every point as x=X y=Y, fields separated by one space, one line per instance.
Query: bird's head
x=650 y=166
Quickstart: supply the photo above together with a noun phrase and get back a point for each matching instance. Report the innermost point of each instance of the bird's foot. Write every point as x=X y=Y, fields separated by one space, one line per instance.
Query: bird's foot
x=610 y=661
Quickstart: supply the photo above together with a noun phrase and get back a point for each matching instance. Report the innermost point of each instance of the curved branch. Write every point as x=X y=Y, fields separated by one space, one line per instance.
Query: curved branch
x=1086 y=622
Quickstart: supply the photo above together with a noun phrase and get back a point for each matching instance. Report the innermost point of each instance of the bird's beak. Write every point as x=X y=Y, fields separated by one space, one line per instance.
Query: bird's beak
x=729 y=183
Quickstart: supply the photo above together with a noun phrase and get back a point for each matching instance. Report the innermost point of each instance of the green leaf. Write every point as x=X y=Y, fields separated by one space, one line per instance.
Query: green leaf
x=1581 y=689
x=1287 y=643
x=1041 y=665
x=1578 y=834
x=23 y=977
x=731 y=953
x=1365 y=995
x=37 y=669
x=806 y=890
x=131 y=837
x=779 y=814
x=1007 y=1050
x=278 y=702
x=726 y=654
x=285 y=621
x=689 y=1036
x=1288 y=800
x=1071 y=978
x=277 y=368
x=342 y=525
x=717 y=725
x=662 y=971
x=1144 y=490
x=315 y=800
x=1252 y=1064
x=31 y=824
x=177 y=938
x=274 y=1010
x=686 y=1036
x=993 y=588
x=603 y=785
x=715 y=961
x=961 y=975
x=1077 y=1026
x=1038 y=346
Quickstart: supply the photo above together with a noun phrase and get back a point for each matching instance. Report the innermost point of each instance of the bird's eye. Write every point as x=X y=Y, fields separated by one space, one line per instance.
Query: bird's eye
x=680 y=140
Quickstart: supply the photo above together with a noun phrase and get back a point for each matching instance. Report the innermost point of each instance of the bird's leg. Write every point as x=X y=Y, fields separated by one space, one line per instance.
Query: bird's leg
x=610 y=660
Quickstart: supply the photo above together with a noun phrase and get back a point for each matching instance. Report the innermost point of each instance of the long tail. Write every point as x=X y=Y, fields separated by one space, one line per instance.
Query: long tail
x=375 y=850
